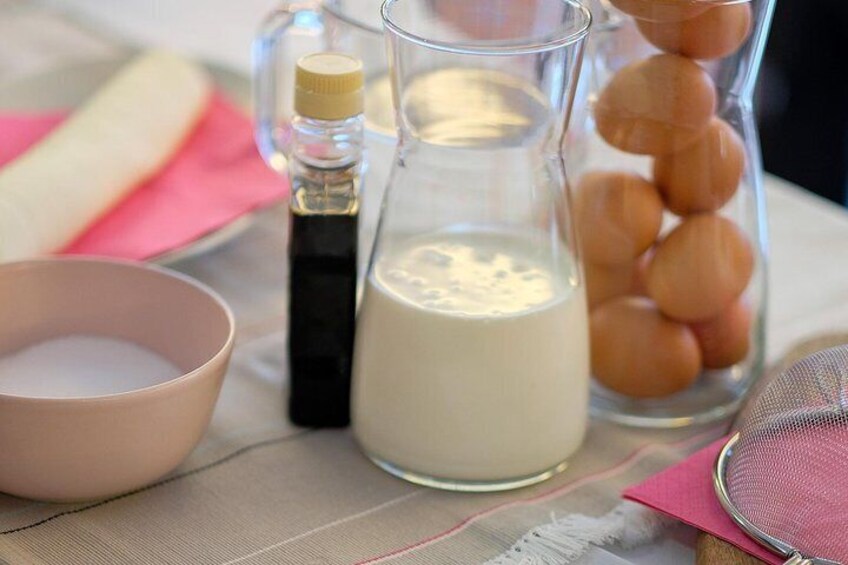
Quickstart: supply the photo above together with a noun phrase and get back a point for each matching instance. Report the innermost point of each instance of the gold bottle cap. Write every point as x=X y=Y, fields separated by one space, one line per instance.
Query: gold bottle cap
x=328 y=86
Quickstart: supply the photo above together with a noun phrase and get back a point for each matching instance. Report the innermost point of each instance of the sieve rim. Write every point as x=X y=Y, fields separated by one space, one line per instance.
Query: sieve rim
x=723 y=494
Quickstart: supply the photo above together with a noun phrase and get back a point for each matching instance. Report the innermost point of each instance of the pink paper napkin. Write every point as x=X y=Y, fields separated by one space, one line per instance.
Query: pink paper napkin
x=685 y=492
x=216 y=177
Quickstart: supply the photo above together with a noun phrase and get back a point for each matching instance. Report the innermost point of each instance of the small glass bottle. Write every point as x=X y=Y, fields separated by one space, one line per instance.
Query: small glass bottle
x=325 y=163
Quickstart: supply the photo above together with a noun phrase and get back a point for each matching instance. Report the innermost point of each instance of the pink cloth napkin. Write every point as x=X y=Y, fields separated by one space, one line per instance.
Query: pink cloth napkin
x=216 y=177
x=685 y=492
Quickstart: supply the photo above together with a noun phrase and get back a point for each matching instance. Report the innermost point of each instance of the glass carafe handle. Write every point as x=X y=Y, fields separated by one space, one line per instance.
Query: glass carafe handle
x=304 y=16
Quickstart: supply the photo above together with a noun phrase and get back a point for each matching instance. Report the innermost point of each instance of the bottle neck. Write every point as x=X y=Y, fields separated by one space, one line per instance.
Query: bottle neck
x=327 y=144
x=325 y=163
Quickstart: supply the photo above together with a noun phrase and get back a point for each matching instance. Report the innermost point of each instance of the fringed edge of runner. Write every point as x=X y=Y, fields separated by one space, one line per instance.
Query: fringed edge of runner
x=567 y=539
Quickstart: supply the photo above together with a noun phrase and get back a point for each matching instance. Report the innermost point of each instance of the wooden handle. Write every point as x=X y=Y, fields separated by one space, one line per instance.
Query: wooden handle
x=713 y=551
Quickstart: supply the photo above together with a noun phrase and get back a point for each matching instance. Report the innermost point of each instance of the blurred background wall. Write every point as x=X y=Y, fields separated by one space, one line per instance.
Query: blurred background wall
x=802 y=100
x=803 y=96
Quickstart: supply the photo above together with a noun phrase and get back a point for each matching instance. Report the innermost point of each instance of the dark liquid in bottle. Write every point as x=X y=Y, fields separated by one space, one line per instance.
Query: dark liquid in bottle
x=322 y=307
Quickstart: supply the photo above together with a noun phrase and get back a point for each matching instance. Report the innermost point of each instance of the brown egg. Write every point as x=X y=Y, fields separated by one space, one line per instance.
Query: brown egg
x=656 y=106
x=660 y=10
x=726 y=339
x=604 y=283
x=640 y=273
x=705 y=175
x=702 y=266
x=716 y=33
x=618 y=216
x=638 y=352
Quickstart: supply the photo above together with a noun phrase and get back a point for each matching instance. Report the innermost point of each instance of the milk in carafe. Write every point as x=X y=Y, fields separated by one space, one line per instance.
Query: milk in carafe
x=480 y=366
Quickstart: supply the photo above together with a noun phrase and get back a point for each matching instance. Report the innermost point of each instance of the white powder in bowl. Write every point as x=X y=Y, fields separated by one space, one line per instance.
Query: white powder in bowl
x=80 y=365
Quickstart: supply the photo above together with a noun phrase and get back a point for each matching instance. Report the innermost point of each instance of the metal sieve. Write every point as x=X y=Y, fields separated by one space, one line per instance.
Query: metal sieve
x=783 y=477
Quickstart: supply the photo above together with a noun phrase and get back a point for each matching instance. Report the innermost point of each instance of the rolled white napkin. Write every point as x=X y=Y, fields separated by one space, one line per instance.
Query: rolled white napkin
x=124 y=134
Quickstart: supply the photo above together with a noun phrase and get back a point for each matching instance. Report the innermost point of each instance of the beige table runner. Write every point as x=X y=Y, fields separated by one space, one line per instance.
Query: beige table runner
x=258 y=490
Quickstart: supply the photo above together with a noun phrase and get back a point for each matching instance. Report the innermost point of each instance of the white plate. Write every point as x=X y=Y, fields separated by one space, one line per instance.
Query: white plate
x=68 y=86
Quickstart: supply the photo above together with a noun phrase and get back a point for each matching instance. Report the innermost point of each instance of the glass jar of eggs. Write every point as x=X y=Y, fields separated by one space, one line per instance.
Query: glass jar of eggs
x=669 y=209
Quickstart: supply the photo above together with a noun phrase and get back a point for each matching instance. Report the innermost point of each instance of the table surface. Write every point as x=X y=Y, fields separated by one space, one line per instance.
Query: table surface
x=365 y=516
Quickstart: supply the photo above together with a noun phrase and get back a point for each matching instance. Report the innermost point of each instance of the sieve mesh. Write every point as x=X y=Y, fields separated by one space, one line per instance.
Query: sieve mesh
x=788 y=474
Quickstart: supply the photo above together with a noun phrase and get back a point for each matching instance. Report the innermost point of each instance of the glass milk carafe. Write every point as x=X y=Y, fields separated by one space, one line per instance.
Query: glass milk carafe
x=471 y=366
x=669 y=209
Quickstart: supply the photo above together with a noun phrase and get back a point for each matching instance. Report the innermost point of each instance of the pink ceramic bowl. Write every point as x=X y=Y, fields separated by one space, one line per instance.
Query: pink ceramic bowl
x=70 y=449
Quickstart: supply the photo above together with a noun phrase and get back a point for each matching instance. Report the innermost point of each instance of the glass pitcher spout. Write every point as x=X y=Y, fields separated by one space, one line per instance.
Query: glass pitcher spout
x=471 y=368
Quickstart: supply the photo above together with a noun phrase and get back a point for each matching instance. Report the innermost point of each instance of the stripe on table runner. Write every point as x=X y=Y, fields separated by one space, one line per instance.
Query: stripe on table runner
x=165 y=481
x=623 y=465
x=327 y=526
